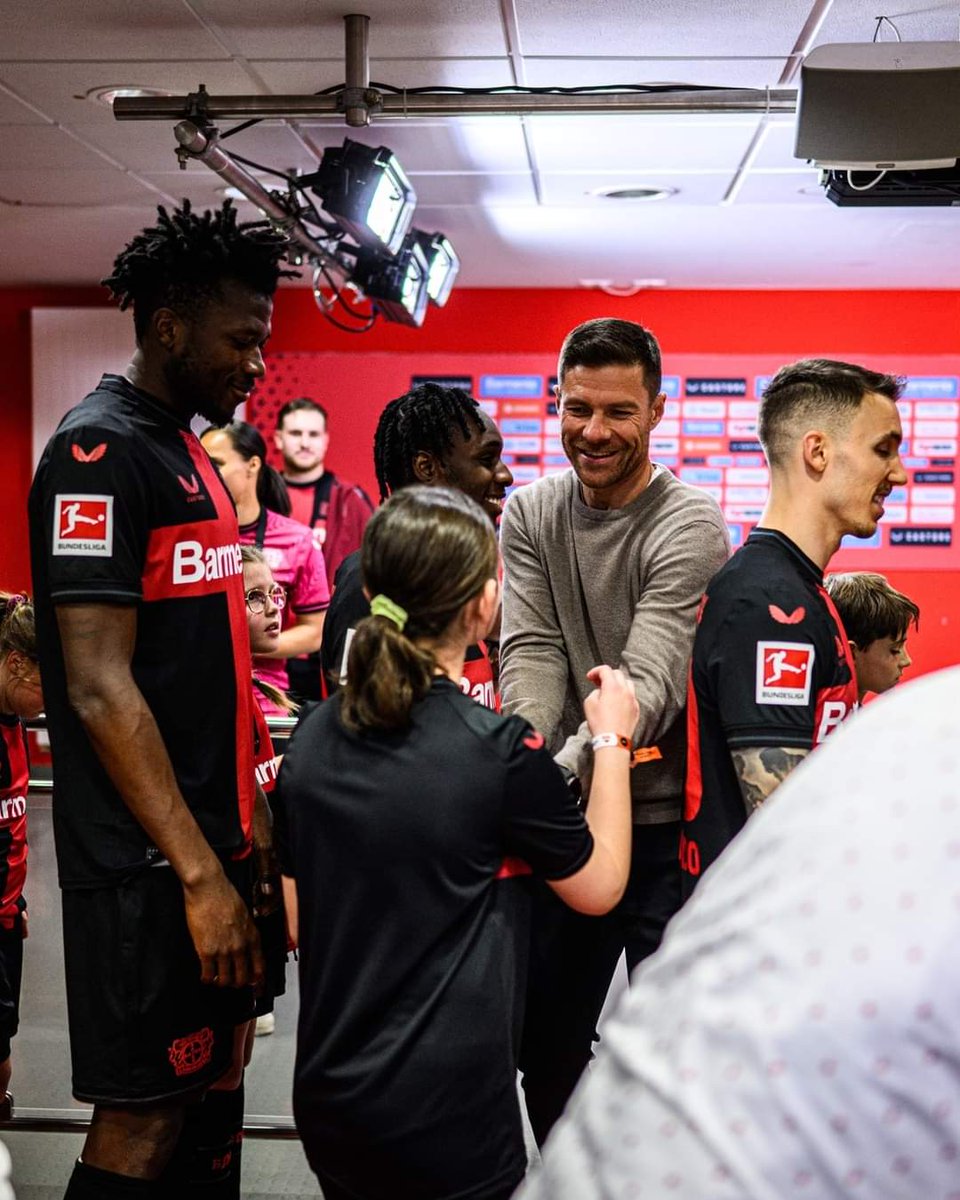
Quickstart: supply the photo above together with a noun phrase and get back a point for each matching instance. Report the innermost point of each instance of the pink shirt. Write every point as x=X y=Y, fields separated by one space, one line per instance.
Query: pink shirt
x=297 y=565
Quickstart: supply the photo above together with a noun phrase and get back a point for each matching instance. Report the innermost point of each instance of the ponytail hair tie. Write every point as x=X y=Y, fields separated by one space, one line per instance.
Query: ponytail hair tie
x=15 y=601
x=383 y=606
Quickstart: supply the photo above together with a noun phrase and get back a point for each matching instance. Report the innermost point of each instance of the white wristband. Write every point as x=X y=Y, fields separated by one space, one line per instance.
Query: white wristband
x=601 y=740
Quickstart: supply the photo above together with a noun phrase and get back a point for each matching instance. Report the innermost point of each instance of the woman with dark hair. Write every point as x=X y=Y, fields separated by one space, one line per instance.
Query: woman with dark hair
x=21 y=698
x=260 y=494
x=410 y=817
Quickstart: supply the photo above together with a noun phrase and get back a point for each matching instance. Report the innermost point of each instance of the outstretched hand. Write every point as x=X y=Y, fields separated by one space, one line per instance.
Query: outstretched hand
x=613 y=707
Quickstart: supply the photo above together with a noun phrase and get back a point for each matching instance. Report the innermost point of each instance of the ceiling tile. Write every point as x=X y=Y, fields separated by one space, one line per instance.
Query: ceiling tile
x=290 y=28
x=856 y=20
x=473 y=189
x=678 y=28
x=102 y=187
x=55 y=87
x=704 y=72
x=639 y=144
x=782 y=187
x=471 y=144
x=294 y=77
x=102 y=29
x=581 y=191
x=151 y=146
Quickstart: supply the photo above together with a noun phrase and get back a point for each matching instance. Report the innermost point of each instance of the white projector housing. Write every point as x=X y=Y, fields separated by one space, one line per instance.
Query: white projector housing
x=880 y=106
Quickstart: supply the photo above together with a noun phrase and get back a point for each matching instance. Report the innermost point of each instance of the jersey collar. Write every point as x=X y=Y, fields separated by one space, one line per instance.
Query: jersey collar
x=760 y=535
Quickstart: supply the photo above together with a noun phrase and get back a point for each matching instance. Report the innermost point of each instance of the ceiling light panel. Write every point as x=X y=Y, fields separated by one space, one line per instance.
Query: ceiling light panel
x=680 y=28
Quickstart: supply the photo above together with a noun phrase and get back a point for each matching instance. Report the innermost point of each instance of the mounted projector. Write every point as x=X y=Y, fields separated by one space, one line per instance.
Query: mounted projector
x=880 y=106
x=895 y=189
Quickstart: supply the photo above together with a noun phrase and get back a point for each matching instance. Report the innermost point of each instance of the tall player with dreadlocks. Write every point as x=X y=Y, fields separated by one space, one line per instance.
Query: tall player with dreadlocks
x=438 y=436
x=139 y=583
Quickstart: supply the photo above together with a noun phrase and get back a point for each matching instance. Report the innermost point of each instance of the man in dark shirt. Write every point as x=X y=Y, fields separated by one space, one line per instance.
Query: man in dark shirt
x=137 y=570
x=335 y=509
x=437 y=436
x=772 y=673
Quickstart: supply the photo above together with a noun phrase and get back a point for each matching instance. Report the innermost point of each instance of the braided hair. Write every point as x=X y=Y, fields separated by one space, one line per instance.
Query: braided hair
x=422 y=419
x=182 y=260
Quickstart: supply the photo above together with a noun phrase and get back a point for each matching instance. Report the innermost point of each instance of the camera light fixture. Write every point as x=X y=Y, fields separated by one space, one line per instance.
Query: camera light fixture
x=397 y=285
x=443 y=265
x=365 y=190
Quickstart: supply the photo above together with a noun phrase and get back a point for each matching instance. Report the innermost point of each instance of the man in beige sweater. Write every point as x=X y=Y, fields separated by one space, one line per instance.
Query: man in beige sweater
x=605 y=563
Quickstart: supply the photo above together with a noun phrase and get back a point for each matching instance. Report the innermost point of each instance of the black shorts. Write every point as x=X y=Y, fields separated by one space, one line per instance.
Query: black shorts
x=143 y=1027
x=11 y=971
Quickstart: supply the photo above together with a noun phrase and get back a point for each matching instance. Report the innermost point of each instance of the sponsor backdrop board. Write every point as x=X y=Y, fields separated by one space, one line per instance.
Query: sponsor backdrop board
x=707 y=435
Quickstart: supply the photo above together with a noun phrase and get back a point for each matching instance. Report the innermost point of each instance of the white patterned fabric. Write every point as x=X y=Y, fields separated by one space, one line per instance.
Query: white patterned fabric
x=798 y=1033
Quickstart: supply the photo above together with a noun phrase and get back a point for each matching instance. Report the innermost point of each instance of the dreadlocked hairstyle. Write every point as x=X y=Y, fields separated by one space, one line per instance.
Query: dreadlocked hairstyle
x=422 y=419
x=181 y=262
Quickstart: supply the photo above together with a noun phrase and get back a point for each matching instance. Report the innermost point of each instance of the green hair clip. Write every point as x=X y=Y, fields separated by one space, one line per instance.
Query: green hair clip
x=383 y=606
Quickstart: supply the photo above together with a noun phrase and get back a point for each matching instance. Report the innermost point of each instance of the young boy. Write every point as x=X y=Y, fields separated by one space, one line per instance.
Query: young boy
x=877 y=619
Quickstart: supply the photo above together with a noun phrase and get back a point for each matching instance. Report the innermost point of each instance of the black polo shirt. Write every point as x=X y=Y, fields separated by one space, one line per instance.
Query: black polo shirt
x=406 y=850
x=771 y=667
x=126 y=508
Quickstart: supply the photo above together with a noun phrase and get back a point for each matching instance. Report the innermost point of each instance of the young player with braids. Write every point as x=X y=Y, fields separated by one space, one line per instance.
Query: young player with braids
x=136 y=565
x=263 y=508
x=21 y=698
x=437 y=436
x=409 y=817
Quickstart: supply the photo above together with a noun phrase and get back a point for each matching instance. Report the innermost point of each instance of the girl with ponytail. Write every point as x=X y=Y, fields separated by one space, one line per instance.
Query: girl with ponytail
x=21 y=698
x=411 y=817
x=263 y=508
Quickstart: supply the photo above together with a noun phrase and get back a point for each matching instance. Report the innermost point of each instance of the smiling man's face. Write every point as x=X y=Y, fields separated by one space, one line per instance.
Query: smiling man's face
x=606 y=418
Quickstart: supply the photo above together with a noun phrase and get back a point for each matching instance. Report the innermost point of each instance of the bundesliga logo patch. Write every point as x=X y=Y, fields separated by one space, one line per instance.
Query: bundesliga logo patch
x=83 y=526
x=784 y=672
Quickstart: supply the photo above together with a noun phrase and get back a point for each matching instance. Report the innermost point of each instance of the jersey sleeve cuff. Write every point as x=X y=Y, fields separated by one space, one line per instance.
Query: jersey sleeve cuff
x=572 y=868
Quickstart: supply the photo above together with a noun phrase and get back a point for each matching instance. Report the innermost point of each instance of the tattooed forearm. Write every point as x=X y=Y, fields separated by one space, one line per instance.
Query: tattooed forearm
x=760 y=770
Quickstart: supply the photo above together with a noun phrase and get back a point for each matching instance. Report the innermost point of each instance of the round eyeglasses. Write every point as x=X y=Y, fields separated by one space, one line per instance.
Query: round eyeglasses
x=257 y=599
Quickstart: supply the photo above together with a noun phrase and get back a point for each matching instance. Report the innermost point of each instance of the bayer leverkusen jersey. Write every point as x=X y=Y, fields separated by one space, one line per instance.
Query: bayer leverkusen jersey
x=127 y=509
x=771 y=667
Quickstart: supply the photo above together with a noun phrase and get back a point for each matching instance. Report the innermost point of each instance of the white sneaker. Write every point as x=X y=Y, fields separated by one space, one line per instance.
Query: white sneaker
x=265 y=1024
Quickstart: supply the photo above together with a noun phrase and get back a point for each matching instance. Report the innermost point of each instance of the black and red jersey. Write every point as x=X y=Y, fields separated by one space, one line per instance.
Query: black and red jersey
x=771 y=667
x=414 y=938
x=266 y=762
x=126 y=508
x=14 y=778
x=348 y=608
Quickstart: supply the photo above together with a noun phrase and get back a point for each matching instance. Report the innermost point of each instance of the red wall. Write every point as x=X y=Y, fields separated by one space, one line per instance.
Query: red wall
x=793 y=324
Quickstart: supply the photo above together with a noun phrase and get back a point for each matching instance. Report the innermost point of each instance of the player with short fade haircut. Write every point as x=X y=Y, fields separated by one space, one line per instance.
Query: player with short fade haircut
x=877 y=619
x=811 y=392
x=773 y=673
x=162 y=837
